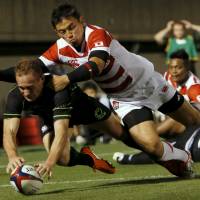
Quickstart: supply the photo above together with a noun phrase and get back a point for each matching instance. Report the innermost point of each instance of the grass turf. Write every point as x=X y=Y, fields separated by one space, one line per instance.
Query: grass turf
x=81 y=183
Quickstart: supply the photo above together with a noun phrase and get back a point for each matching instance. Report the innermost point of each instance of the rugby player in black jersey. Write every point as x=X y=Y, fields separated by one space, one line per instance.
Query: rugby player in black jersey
x=59 y=111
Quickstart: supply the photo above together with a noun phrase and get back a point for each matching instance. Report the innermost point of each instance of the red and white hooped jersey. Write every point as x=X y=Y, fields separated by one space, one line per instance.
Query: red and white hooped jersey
x=190 y=89
x=123 y=71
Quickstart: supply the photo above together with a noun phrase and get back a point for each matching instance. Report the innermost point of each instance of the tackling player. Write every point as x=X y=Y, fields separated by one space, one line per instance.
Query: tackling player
x=184 y=81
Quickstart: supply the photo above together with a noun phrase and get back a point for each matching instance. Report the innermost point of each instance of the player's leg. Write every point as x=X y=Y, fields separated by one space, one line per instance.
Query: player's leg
x=91 y=112
x=133 y=159
x=143 y=131
x=182 y=111
x=142 y=134
x=169 y=128
x=113 y=127
x=71 y=157
x=195 y=148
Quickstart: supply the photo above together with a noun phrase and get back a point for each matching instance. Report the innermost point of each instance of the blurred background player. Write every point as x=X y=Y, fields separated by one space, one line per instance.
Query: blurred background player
x=176 y=36
x=186 y=83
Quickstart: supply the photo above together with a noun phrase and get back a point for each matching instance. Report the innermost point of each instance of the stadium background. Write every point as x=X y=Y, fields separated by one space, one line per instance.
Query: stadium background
x=25 y=28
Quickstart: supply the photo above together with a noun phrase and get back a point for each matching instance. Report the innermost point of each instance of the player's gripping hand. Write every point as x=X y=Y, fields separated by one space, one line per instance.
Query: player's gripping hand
x=44 y=170
x=60 y=82
x=14 y=162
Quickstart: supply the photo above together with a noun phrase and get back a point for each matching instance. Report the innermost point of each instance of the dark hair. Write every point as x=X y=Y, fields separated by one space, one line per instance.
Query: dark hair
x=179 y=23
x=89 y=85
x=181 y=54
x=25 y=67
x=63 y=11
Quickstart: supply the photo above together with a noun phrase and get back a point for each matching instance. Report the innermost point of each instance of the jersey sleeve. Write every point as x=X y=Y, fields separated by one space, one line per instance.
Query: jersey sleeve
x=63 y=106
x=194 y=93
x=99 y=40
x=50 y=57
x=14 y=104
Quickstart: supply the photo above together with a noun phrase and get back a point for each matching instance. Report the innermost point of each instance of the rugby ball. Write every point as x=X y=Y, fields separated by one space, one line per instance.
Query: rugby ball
x=26 y=180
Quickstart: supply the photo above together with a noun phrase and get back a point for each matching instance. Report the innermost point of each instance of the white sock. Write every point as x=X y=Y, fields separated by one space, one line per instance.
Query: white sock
x=172 y=153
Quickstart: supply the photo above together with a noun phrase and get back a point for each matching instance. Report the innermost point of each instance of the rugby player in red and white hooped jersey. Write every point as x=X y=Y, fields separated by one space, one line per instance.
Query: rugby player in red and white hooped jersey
x=128 y=79
x=182 y=79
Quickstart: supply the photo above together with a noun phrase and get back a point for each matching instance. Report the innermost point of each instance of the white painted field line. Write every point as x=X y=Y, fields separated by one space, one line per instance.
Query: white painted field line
x=99 y=180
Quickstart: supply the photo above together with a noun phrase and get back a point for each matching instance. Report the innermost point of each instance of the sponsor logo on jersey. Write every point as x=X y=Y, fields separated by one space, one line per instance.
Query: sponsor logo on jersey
x=73 y=63
x=99 y=113
x=115 y=105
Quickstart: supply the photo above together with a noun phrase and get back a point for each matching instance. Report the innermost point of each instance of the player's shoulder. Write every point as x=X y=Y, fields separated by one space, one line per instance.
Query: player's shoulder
x=93 y=30
x=192 y=79
x=14 y=92
x=14 y=97
x=65 y=95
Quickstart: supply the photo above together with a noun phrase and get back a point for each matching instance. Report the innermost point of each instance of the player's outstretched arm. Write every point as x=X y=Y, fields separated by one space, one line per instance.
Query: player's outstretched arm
x=11 y=126
x=58 y=147
x=84 y=72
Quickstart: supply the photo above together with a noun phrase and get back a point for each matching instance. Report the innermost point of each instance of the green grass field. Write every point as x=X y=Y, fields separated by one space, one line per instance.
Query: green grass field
x=81 y=183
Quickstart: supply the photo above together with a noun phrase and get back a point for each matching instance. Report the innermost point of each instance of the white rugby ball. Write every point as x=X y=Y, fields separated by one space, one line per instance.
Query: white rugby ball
x=26 y=180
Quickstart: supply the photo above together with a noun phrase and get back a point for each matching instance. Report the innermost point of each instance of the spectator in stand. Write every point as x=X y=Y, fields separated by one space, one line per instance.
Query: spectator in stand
x=176 y=37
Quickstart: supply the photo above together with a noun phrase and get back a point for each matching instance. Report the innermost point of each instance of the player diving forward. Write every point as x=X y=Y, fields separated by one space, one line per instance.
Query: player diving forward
x=59 y=110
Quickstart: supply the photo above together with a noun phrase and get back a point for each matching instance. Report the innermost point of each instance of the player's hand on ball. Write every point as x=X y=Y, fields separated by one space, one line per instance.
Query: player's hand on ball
x=44 y=170
x=13 y=163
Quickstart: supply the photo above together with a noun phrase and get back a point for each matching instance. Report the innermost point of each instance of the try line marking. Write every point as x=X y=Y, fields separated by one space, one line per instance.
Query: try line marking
x=99 y=180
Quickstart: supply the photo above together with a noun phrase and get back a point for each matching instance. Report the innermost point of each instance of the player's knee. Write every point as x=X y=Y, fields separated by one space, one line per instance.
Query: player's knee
x=153 y=148
x=127 y=139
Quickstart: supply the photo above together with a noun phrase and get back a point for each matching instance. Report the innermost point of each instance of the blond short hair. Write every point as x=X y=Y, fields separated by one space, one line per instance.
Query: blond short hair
x=25 y=67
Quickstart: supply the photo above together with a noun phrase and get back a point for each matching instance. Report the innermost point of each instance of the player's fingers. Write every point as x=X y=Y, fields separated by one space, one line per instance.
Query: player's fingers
x=18 y=163
x=22 y=160
x=36 y=166
x=8 y=169
x=49 y=175
x=11 y=167
x=44 y=173
x=41 y=170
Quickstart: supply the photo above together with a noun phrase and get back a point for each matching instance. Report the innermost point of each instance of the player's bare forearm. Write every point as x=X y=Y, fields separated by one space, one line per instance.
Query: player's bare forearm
x=9 y=136
x=9 y=141
x=59 y=142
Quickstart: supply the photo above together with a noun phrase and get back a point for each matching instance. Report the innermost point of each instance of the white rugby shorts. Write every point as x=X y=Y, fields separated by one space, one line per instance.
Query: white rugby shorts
x=152 y=94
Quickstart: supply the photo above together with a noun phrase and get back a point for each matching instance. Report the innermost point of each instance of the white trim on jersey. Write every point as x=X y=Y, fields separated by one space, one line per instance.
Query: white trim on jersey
x=46 y=61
